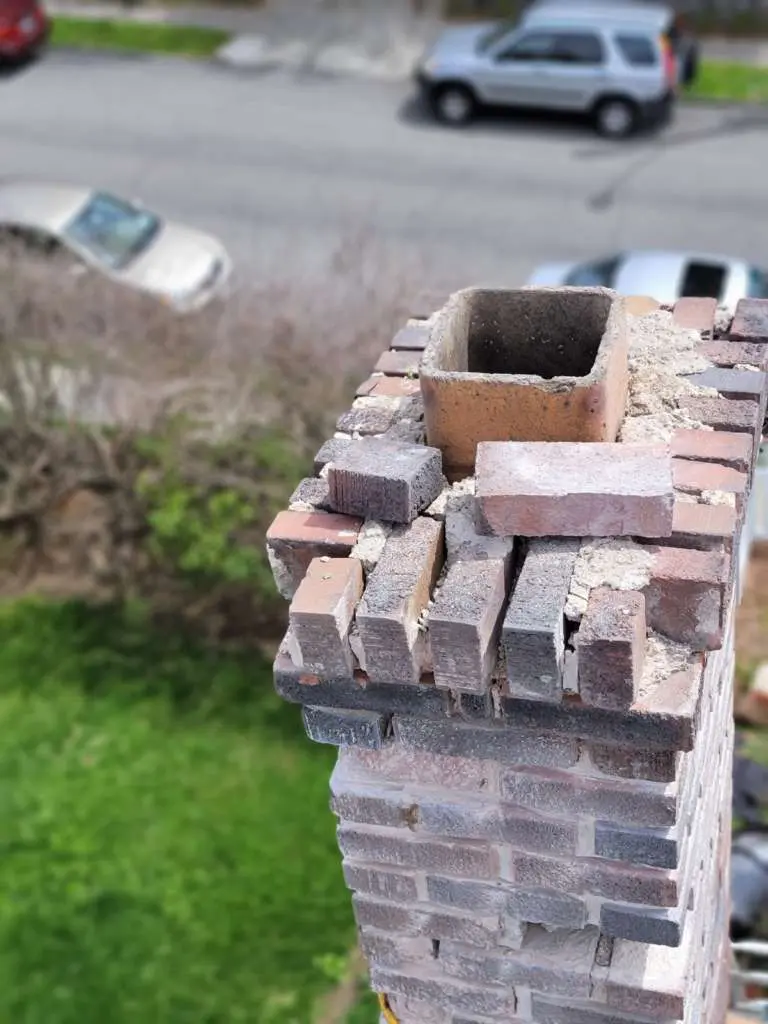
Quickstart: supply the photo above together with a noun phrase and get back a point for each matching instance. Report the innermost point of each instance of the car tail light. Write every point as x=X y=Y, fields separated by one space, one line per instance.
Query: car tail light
x=670 y=61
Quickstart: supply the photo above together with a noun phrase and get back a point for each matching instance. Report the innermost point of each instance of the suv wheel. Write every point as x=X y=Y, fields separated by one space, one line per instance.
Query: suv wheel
x=454 y=104
x=616 y=118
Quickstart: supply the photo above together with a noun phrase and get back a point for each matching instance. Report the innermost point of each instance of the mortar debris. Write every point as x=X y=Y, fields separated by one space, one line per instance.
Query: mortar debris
x=619 y=564
x=663 y=658
x=723 y=321
x=659 y=352
x=718 y=498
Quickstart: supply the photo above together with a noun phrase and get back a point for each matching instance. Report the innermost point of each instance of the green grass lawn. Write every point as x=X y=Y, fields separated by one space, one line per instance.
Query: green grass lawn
x=720 y=80
x=92 y=33
x=167 y=853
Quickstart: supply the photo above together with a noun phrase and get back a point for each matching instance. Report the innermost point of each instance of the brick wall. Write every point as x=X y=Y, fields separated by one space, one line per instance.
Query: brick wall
x=528 y=670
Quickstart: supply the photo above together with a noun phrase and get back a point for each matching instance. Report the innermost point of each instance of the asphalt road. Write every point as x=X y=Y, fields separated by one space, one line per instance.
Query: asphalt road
x=283 y=168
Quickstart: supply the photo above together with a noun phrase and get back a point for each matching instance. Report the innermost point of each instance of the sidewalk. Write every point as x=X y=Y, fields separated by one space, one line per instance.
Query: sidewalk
x=377 y=40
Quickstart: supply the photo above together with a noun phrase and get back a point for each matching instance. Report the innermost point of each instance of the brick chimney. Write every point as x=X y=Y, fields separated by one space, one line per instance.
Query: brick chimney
x=527 y=667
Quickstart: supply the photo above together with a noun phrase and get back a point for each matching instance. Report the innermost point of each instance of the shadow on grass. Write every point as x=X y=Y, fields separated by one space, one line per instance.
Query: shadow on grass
x=115 y=651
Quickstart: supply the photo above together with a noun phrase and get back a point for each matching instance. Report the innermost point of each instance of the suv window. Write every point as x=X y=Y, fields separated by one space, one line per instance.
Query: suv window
x=563 y=47
x=579 y=48
x=703 y=280
x=638 y=51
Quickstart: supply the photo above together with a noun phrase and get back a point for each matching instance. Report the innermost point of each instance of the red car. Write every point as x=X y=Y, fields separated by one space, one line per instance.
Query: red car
x=24 y=28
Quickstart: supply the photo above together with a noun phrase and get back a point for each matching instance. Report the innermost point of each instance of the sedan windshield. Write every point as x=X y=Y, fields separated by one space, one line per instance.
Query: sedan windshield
x=602 y=273
x=493 y=35
x=112 y=230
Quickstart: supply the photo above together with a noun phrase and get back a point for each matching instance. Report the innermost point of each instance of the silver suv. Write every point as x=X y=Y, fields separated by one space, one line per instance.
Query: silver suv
x=615 y=67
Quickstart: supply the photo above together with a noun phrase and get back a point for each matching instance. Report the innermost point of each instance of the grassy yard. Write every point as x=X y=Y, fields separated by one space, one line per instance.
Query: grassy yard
x=93 y=33
x=167 y=850
x=720 y=80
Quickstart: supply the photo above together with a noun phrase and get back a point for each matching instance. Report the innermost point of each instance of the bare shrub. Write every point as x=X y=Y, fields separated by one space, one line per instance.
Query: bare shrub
x=143 y=453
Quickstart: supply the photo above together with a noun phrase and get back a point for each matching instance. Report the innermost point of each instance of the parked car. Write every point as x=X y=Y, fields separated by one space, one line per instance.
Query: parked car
x=24 y=30
x=665 y=276
x=665 y=20
x=120 y=239
x=613 y=65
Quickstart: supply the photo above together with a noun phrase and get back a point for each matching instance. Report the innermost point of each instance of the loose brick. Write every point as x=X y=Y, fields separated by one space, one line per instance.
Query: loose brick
x=345 y=728
x=397 y=593
x=322 y=611
x=695 y=314
x=685 y=596
x=656 y=848
x=695 y=477
x=641 y=924
x=398 y=387
x=633 y=803
x=731 y=383
x=723 y=413
x=726 y=447
x=476 y=860
x=393 y=917
x=479 y=898
x=386 y=885
x=398 y=363
x=631 y=763
x=542 y=489
x=507 y=746
x=735 y=353
x=406 y=431
x=310 y=496
x=533 y=631
x=542 y=906
x=382 y=479
x=333 y=449
x=464 y=624
x=751 y=321
x=451 y=996
x=411 y=338
x=699 y=524
x=295 y=538
x=295 y=685
x=611 y=647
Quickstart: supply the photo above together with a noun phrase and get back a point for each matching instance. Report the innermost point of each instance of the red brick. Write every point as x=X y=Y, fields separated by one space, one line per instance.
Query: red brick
x=633 y=763
x=322 y=611
x=735 y=353
x=685 y=596
x=387 y=885
x=463 y=774
x=545 y=489
x=630 y=884
x=399 y=387
x=398 y=591
x=409 y=921
x=611 y=648
x=696 y=314
x=398 y=363
x=721 y=446
x=751 y=321
x=695 y=477
x=704 y=522
x=453 y=997
x=723 y=413
x=678 y=694
x=411 y=338
x=464 y=624
x=748 y=385
x=295 y=538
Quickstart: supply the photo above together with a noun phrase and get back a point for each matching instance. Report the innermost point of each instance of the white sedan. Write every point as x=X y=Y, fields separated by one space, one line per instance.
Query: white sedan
x=665 y=276
x=120 y=239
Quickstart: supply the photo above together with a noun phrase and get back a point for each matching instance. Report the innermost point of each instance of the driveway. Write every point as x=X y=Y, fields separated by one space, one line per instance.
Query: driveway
x=279 y=165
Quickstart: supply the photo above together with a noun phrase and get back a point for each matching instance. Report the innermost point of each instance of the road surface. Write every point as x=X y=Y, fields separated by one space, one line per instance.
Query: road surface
x=283 y=167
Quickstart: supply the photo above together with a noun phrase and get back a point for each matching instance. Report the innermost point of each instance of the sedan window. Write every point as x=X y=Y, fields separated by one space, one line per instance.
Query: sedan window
x=601 y=274
x=579 y=48
x=703 y=280
x=533 y=46
x=757 y=284
x=112 y=230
